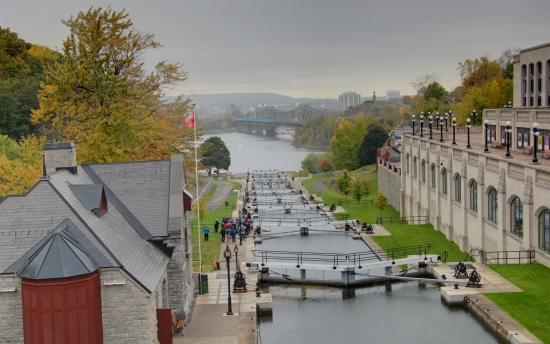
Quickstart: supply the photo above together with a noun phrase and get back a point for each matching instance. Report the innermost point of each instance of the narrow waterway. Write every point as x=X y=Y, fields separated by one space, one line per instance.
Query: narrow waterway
x=256 y=152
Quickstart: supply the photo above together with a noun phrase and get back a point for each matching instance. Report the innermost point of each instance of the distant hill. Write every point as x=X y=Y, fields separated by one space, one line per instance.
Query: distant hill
x=241 y=98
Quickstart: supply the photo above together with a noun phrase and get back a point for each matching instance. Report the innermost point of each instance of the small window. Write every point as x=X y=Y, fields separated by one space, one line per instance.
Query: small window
x=408 y=164
x=458 y=188
x=415 y=171
x=444 y=181
x=492 y=206
x=544 y=231
x=433 y=176
x=516 y=217
x=423 y=171
x=473 y=196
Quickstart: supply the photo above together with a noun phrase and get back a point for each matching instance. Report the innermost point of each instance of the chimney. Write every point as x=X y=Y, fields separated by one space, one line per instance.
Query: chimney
x=60 y=156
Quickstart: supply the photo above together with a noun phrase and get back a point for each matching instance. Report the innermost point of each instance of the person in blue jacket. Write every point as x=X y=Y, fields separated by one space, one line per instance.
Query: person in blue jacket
x=206 y=232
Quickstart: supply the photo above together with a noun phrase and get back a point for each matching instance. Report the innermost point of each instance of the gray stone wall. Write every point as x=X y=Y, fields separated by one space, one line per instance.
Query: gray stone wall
x=11 y=311
x=389 y=183
x=128 y=311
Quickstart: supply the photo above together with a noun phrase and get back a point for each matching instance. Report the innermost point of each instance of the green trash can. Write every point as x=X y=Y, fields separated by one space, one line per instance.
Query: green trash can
x=226 y=203
x=204 y=279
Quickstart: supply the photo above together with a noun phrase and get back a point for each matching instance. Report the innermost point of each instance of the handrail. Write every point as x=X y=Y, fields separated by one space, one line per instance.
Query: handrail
x=504 y=256
x=474 y=252
x=444 y=256
x=418 y=219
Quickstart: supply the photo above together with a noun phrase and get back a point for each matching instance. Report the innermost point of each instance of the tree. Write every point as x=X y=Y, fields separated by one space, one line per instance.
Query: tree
x=374 y=139
x=305 y=172
x=344 y=182
x=434 y=91
x=421 y=82
x=380 y=202
x=356 y=190
x=326 y=165
x=311 y=162
x=100 y=95
x=366 y=187
x=202 y=208
x=506 y=61
x=345 y=143
x=214 y=152
x=479 y=71
x=407 y=100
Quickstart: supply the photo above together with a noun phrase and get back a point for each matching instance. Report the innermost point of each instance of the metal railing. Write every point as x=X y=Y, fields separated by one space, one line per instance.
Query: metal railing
x=474 y=252
x=509 y=257
x=222 y=207
x=356 y=202
x=403 y=252
x=413 y=220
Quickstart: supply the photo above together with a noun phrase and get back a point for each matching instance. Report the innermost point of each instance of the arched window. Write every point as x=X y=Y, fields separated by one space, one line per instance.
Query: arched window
x=423 y=171
x=415 y=171
x=444 y=181
x=473 y=196
x=458 y=188
x=544 y=231
x=433 y=176
x=408 y=164
x=516 y=217
x=492 y=206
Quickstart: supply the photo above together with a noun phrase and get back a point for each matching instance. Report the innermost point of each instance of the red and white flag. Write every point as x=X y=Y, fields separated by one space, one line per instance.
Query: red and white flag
x=190 y=120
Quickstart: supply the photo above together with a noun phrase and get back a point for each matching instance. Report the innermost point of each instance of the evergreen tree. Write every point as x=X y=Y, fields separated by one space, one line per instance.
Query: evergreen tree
x=374 y=139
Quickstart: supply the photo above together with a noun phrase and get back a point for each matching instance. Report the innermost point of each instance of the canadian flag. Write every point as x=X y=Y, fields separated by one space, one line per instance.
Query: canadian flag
x=190 y=120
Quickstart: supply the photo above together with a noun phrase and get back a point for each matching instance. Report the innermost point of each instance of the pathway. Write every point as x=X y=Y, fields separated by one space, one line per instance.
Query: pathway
x=219 y=197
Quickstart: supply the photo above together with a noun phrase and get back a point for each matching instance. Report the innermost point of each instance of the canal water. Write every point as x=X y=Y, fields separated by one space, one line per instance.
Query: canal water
x=257 y=152
x=410 y=312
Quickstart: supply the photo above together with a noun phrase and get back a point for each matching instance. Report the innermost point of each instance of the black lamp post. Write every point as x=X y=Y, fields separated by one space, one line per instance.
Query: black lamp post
x=474 y=114
x=468 y=126
x=421 y=123
x=448 y=116
x=441 y=129
x=535 y=142
x=413 y=123
x=227 y=255
x=486 y=135
x=430 y=122
x=437 y=120
x=454 y=130
x=508 y=132
x=236 y=250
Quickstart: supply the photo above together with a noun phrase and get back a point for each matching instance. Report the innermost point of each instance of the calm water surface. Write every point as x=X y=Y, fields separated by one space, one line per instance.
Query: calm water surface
x=257 y=152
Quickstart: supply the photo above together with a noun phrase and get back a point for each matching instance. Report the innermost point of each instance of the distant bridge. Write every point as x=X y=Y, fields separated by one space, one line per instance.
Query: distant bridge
x=266 y=120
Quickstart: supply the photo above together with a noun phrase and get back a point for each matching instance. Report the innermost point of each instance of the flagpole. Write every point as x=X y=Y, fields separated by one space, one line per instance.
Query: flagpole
x=198 y=198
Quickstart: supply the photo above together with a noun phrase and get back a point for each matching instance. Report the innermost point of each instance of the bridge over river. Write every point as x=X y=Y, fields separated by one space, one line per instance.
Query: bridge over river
x=266 y=120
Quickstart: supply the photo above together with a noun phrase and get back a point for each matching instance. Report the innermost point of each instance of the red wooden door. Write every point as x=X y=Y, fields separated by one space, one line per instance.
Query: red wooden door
x=164 y=325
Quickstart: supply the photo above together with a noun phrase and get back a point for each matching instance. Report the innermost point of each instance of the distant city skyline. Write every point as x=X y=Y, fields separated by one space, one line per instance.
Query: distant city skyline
x=306 y=50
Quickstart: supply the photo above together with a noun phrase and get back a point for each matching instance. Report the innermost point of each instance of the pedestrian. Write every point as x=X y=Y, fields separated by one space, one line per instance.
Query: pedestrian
x=222 y=231
x=216 y=224
x=234 y=234
x=206 y=232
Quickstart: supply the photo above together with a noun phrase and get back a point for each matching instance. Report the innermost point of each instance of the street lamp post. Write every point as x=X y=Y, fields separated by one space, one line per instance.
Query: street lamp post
x=421 y=123
x=441 y=129
x=454 y=130
x=474 y=114
x=486 y=136
x=508 y=132
x=227 y=255
x=468 y=126
x=447 y=121
x=535 y=142
x=236 y=250
x=437 y=120
x=413 y=123
x=430 y=122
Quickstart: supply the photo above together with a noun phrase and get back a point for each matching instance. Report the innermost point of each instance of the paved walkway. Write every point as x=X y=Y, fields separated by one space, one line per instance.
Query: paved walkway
x=223 y=189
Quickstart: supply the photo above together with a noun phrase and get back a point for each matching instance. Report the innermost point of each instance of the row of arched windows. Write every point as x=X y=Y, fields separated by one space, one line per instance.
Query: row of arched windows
x=516 y=205
x=531 y=84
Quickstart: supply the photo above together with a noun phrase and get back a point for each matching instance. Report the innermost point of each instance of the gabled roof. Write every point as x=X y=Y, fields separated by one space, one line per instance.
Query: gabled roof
x=64 y=252
x=89 y=195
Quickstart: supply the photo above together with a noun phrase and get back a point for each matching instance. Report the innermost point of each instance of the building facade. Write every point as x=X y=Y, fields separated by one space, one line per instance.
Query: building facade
x=487 y=200
x=348 y=99
x=393 y=94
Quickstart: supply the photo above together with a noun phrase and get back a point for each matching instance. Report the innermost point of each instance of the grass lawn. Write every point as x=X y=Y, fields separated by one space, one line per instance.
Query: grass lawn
x=211 y=249
x=402 y=235
x=530 y=308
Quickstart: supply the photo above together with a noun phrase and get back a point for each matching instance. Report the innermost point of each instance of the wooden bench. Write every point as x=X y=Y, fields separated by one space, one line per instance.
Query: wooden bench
x=177 y=324
x=496 y=144
x=546 y=154
x=527 y=150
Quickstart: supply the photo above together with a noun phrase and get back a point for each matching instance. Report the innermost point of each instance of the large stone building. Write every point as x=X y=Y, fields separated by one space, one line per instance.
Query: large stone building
x=94 y=253
x=489 y=200
x=348 y=99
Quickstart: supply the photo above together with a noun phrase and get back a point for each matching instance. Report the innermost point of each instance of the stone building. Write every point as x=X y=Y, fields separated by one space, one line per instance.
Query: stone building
x=493 y=195
x=92 y=253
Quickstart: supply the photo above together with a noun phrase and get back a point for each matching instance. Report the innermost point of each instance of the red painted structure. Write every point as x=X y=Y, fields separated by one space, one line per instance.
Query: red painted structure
x=63 y=310
x=164 y=325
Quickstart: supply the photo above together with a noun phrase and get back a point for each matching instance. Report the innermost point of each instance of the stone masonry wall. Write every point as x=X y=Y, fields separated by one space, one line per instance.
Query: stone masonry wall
x=389 y=183
x=11 y=311
x=129 y=312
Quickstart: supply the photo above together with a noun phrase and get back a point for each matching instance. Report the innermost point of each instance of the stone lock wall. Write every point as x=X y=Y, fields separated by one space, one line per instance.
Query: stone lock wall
x=389 y=183
x=11 y=311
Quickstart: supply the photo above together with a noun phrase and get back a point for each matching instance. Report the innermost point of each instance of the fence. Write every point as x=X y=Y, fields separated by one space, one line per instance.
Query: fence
x=496 y=257
x=229 y=207
x=355 y=202
x=412 y=220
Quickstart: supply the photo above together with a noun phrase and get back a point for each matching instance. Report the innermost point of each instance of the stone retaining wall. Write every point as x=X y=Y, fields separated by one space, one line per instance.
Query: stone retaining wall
x=389 y=183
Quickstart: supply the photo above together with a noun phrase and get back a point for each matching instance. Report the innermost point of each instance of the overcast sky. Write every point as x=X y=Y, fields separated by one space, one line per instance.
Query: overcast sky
x=316 y=49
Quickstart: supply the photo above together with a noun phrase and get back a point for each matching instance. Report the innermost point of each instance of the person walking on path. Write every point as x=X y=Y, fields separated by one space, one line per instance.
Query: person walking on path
x=206 y=232
x=222 y=231
x=234 y=234
x=216 y=224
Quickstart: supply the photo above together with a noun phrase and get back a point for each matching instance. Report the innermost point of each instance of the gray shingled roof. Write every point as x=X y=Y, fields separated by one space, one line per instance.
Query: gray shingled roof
x=143 y=187
x=64 y=252
x=89 y=196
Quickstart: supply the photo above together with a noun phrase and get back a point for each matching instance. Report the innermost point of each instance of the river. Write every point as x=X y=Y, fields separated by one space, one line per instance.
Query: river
x=255 y=152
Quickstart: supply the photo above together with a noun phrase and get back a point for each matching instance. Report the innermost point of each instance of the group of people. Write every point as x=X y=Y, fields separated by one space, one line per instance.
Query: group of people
x=229 y=228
